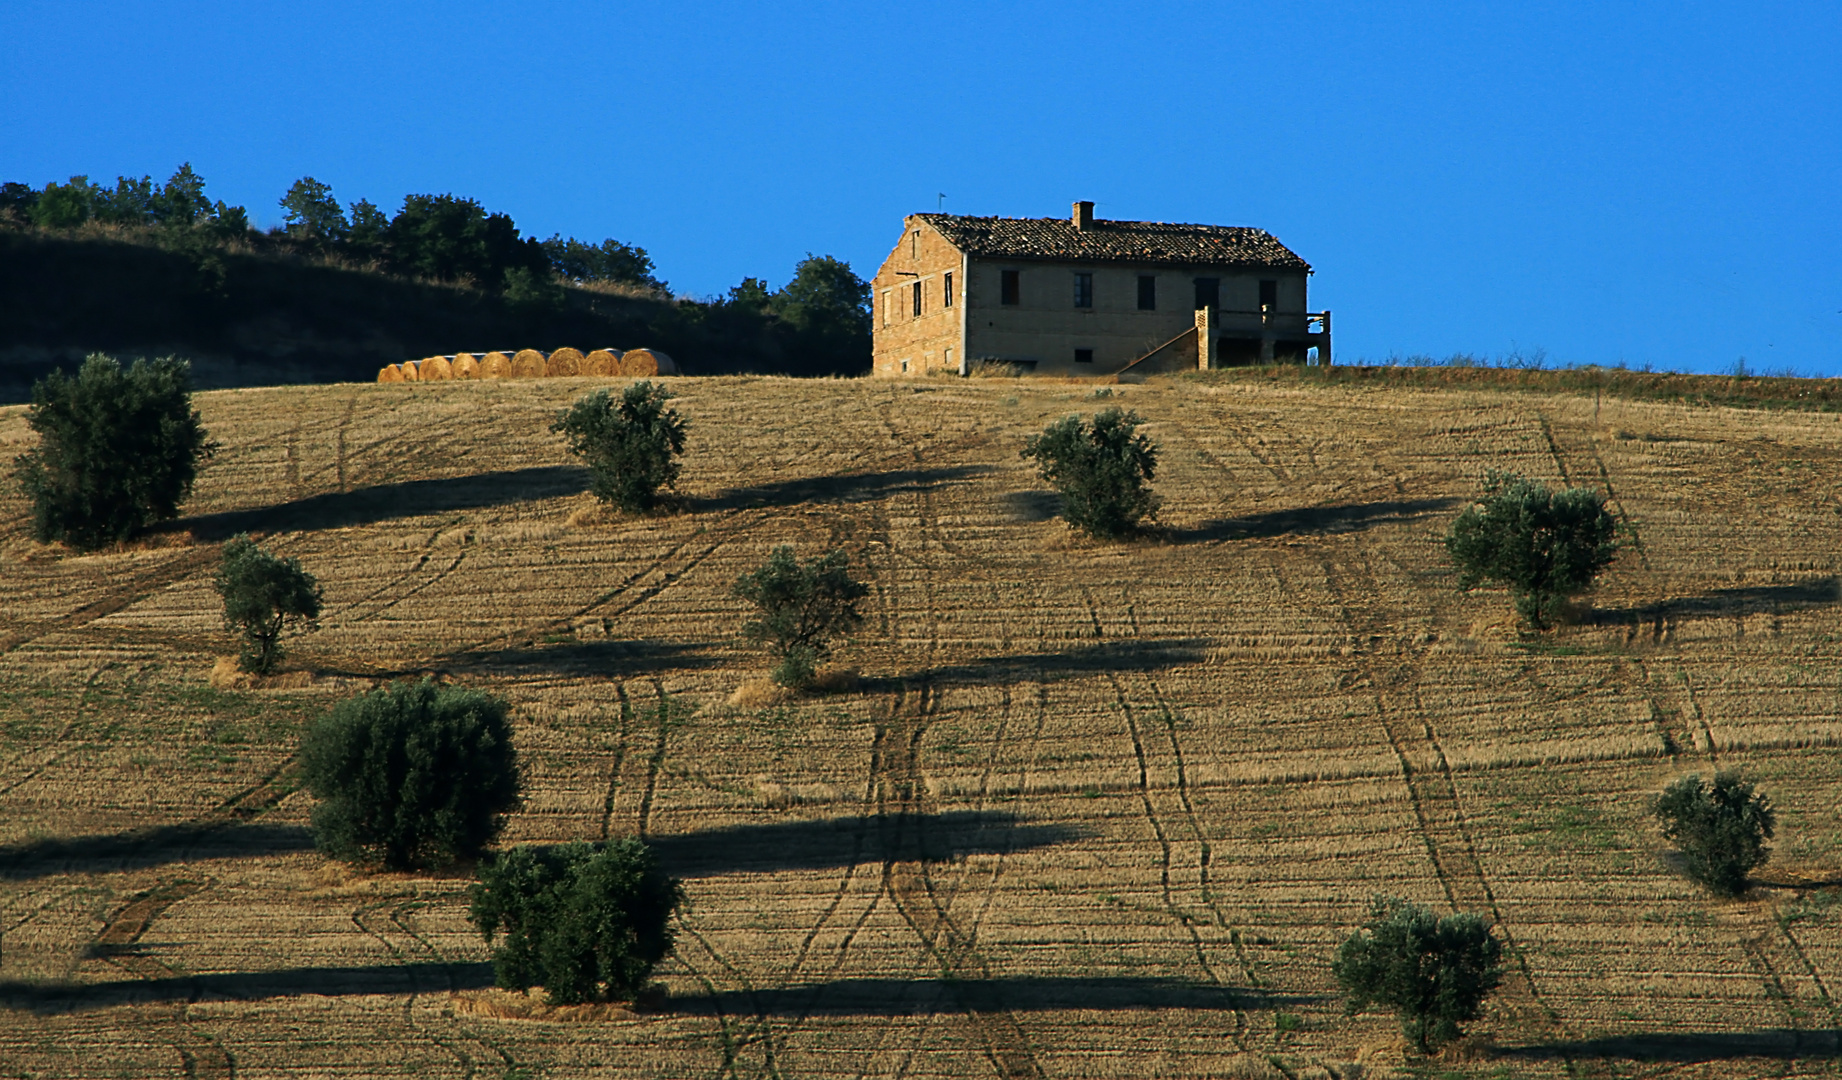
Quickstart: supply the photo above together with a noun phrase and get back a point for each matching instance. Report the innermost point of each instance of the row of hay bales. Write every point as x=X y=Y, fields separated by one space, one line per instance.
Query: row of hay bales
x=530 y=364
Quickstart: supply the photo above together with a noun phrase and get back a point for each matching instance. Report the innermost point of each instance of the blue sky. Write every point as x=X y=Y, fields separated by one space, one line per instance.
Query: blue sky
x=1606 y=182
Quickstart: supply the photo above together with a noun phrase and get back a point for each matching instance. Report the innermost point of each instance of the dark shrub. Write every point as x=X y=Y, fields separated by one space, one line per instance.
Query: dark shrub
x=803 y=605
x=630 y=446
x=1545 y=545
x=262 y=594
x=1100 y=469
x=412 y=774
x=118 y=450
x=1720 y=828
x=587 y=922
x=1434 y=973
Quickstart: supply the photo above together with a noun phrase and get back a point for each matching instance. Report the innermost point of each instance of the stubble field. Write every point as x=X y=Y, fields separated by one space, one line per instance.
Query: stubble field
x=1093 y=810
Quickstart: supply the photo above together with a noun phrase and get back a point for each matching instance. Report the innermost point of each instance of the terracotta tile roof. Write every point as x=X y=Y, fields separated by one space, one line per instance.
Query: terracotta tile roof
x=1142 y=242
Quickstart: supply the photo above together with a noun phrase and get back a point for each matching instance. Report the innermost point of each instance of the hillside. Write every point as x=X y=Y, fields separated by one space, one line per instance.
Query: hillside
x=1094 y=810
x=259 y=312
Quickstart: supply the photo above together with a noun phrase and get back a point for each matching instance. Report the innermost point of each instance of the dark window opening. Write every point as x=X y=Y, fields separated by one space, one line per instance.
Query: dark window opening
x=1269 y=296
x=1084 y=290
x=1009 y=288
x=916 y=300
x=1084 y=356
x=1208 y=292
x=1147 y=292
x=947 y=292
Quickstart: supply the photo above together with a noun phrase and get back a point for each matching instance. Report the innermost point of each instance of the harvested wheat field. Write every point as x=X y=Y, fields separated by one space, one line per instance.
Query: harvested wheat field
x=1091 y=810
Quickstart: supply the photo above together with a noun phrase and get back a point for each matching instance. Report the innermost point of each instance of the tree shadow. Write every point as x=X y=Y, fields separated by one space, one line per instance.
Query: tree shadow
x=1688 y=1046
x=830 y=843
x=1017 y=993
x=139 y=848
x=1307 y=520
x=384 y=502
x=1032 y=506
x=1728 y=603
x=857 y=487
x=1124 y=655
x=614 y=659
x=64 y=998
x=838 y=997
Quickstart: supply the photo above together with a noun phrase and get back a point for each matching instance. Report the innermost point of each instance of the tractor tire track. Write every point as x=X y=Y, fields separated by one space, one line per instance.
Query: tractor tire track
x=1432 y=791
x=201 y=1054
x=900 y=800
x=137 y=588
x=390 y=921
x=58 y=751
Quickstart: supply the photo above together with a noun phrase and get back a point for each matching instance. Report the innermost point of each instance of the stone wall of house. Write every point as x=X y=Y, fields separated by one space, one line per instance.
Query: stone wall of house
x=1045 y=328
x=907 y=343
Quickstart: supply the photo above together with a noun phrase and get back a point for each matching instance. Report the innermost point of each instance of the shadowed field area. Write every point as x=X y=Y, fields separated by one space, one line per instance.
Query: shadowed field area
x=1085 y=809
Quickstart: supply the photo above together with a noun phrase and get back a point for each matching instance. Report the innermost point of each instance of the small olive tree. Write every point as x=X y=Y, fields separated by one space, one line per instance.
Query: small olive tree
x=802 y=606
x=1720 y=828
x=1434 y=973
x=629 y=444
x=118 y=450
x=263 y=594
x=1545 y=545
x=1100 y=469
x=587 y=922
x=413 y=774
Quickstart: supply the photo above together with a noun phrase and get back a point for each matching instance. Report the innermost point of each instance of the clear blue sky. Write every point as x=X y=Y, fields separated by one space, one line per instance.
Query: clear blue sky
x=1649 y=183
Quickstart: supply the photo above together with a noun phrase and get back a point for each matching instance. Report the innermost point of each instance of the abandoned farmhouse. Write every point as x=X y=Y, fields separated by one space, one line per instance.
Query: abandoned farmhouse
x=1083 y=296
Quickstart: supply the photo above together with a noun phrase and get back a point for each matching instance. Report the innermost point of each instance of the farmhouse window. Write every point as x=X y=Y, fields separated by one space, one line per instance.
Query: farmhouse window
x=1010 y=287
x=887 y=300
x=1084 y=356
x=947 y=292
x=1084 y=290
x=1147 y=292
x=1269 y=295
x=916 y=300
x=914 y=245
x=1208 y=292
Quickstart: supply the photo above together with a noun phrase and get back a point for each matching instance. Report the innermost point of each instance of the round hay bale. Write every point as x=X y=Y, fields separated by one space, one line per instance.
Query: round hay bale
x=390 y=373
x=528 y=364
x=602 y=362
x=436 y=367
x=495 y=365
x=646 y=363
x=466 y=366
x=411 y=369
x=564 y=361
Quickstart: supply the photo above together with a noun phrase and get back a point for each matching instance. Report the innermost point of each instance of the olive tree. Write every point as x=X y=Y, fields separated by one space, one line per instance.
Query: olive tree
x=412 y=774
x=1433 y=972
x=1720 y=828
x=587 y=922
x=801 y=607
x=1545 y=545
x=263 y=594
x=1100 y=469
x=118 y=450
x=630 y=444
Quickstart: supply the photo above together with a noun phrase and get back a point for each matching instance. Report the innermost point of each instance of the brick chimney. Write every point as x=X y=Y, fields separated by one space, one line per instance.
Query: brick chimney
x=1084 y=215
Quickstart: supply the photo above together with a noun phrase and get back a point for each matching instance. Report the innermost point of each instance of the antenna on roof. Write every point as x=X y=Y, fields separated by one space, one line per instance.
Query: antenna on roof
x=940 y=201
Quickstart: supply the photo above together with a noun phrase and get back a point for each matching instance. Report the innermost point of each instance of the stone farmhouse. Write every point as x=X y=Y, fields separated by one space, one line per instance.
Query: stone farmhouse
x=1083 y=296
